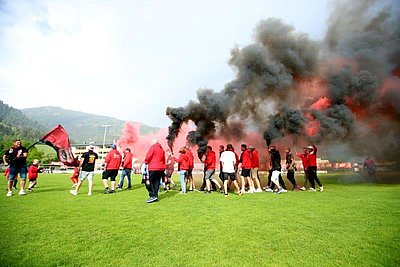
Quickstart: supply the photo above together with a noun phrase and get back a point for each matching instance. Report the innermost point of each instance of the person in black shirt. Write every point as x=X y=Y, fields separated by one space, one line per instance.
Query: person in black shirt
x=87 y=165
x=15 y=157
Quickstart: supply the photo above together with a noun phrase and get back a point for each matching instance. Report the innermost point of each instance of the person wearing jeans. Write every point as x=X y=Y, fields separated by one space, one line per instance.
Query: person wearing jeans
x=126 y=169
x=183 y=166
x=155 y=159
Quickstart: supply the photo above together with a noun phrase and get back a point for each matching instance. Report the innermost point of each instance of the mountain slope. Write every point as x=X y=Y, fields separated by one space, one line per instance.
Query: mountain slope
x=81 y=126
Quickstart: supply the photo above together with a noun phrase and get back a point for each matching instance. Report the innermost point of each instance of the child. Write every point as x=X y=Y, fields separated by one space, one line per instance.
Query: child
x=145 y=175
x=7 y=174
x=75 y=177
x=33 y=173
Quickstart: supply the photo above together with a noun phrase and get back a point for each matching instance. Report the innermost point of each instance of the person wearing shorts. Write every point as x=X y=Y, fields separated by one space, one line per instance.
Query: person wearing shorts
x=245 y=175
x=15 y=157
x=228 y=161
x=86 y=164
x=113 y=162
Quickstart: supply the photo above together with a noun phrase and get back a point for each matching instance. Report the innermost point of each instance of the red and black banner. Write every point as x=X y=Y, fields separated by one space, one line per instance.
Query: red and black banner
x=59 y=140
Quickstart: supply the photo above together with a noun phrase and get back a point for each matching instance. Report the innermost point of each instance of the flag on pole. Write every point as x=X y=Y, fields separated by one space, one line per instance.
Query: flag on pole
x=59 y=140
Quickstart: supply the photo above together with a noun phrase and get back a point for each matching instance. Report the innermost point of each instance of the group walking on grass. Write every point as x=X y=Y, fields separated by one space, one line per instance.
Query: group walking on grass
x=237 y=171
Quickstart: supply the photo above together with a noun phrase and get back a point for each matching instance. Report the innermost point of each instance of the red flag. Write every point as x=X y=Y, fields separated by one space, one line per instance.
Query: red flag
x=59 y=140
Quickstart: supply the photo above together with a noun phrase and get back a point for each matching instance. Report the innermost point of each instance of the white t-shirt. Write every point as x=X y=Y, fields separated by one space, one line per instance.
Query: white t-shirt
x=228 y=160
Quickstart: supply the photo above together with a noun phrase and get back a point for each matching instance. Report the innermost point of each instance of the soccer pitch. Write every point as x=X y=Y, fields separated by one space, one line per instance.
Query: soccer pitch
x=350 y=224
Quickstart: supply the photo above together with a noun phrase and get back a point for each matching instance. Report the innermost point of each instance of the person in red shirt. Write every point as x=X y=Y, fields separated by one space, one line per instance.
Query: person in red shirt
x=169 y=170
x=126 y=169
x=255 y=164
x=209 y=169
x=33 y=173
x=312 y=168
x=75 y=177
x=155 y=160
x=112 y=163
x=304 y=161
x=245 y=160
x=7 y=175
x=183 y=166
x=189 y=174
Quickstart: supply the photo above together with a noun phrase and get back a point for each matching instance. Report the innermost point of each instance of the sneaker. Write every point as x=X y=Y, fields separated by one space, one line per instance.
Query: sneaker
x=151 y=200
x=182 y=193
x=119 y=188
x=106 y=191
x=321 y=189
x=258 y=190
x=303 y=188
x=268 y=189
x=226 y=195
x=311 y=189
x=74 y=185
x=174 y=187
x=279 y=191
x=9 y=193
x=73 y=192
x=129 y=188
x=295 y=189
x=283 y=190
x=21 y=193
x=111 y=191
x=221 y=190
x=89 y=194
x=30 y=190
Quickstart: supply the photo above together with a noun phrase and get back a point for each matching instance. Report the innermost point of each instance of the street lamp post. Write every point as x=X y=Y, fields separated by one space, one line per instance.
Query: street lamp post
x=104 y=138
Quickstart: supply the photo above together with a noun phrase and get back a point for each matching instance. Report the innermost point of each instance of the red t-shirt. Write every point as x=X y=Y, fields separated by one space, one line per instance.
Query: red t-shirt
x=183 y=162
x=155 y=158
x=245 y=159
x=33 y=172
x=127 y=161
x=209 y=163
x=113 y=160
x=255 y=160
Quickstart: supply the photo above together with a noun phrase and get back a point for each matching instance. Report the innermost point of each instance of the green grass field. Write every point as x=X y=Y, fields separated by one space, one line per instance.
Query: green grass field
x=350 y=224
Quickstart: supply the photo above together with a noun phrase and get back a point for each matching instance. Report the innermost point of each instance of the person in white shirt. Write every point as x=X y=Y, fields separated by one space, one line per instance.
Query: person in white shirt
x=228 y=161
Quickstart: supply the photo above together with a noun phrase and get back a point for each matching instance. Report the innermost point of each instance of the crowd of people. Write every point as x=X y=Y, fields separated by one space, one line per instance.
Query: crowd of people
x=241 y=171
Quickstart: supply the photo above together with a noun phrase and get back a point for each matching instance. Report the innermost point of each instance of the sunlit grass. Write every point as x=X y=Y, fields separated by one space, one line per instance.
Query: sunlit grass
x=348 y=224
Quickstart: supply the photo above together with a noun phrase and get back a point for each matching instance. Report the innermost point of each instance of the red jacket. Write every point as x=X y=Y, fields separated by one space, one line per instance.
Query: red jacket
x=304 y=159
x=113 y=160
x=245 y=159
x=127 y=161
x=255 y=160
x=33 y=172
x=209 y=163
x=191 y=159
x=312 y=158
x=183 y=162
x=155 y=158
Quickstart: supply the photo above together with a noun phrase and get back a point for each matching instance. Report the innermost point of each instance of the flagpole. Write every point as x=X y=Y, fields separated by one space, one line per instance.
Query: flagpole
x=38 y=141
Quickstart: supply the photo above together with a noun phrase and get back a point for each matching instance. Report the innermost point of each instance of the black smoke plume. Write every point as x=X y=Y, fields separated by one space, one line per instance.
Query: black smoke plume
x=357 y=70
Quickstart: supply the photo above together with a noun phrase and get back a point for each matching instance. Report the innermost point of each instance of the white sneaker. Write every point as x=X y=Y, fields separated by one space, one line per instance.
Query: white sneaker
x=311 y=189
x=89 y=194
x=303 y=189
x=321 y=189
x=21 y=193
x=283 y=190
x=268 y=190
x=9 y=193
x=73 y=192
x=258 y=190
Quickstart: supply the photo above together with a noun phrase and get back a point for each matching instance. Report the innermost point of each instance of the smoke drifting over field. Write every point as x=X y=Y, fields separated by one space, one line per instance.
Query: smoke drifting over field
x=343 y=89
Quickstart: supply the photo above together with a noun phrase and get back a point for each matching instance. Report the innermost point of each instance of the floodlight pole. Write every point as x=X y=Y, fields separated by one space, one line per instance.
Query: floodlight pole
x=105 y=134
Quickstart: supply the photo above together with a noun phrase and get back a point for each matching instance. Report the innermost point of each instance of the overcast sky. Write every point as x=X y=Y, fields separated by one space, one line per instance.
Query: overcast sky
x=131 y=59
